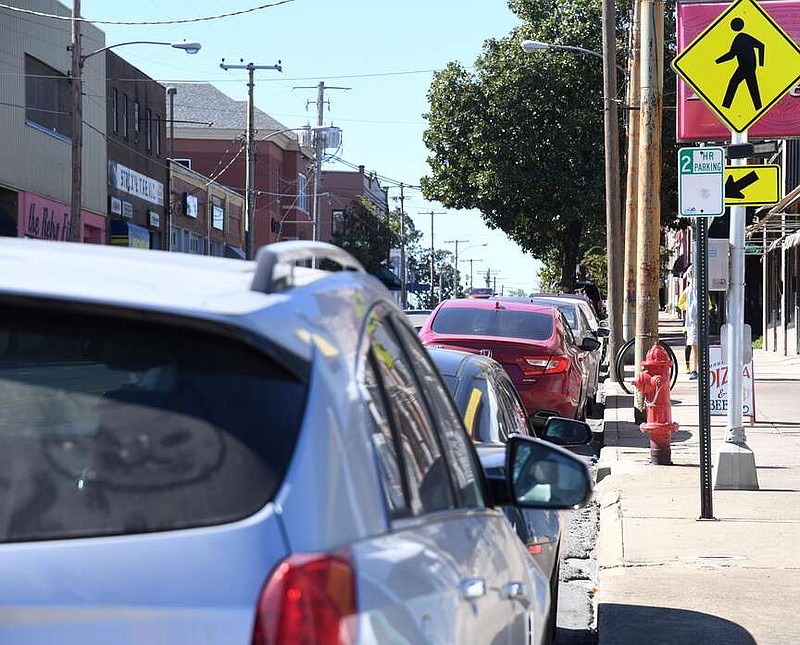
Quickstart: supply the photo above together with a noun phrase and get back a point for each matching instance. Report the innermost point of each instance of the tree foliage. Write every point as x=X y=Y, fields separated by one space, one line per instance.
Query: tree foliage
x=365 y=234
x=520 y=136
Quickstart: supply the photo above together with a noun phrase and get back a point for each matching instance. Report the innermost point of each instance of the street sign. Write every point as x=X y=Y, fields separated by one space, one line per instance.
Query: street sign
x=700 y=181
x=752 y=249
x=741 y=65
x=757 y=185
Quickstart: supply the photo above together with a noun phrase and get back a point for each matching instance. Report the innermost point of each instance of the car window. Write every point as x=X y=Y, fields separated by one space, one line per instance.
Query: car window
x=567 y=331
x=493 y=322
x=462 y=460
x=114 y=426
x=518 y=419
x=569 y=314
x=390 y=470
x=426 y=471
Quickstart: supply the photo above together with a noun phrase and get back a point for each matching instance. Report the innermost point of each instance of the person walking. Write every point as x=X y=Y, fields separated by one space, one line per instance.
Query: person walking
x=688 y=303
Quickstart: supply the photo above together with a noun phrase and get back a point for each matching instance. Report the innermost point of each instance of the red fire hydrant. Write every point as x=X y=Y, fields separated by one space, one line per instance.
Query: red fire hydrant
x=653 y=382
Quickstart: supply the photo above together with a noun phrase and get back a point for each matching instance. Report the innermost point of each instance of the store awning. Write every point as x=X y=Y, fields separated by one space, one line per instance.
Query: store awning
x=126 y=234
x=234 y=252
x=776 y=222
x=390 y=280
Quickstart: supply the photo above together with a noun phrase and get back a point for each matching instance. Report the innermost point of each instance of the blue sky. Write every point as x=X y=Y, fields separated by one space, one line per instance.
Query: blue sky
x=384 y=52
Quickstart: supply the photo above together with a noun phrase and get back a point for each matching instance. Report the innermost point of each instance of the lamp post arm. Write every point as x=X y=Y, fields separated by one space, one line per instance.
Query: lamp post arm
x=191 y=48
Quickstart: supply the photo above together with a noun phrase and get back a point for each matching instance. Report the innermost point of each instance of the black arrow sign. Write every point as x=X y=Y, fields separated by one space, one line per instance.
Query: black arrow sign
x=733 y=189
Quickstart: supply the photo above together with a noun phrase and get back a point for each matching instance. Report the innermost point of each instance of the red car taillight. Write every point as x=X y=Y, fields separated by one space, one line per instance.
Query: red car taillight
x=535 y=366
x=310 y=599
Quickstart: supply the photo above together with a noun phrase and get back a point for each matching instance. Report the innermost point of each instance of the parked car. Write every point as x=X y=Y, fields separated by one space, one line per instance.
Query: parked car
x=198 y=449
x=417 y=317
x=532 y=342
x=599 y=323
x=481 y=292
x=581 y=330
x=492 y=412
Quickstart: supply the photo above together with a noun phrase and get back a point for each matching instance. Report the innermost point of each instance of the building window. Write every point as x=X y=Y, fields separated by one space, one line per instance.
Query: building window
x=48 y=103
x=217 y=249
x=302 y=197
x=125 y=127
x=337 y=222
x=196 y=244
x=136 y=116
x=114 y=110
x=218 y=216
x=148 y=129
x=158 y=135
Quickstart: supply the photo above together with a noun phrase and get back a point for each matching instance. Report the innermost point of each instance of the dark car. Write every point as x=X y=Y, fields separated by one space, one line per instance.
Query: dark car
x=534 y=344
x=493 y=411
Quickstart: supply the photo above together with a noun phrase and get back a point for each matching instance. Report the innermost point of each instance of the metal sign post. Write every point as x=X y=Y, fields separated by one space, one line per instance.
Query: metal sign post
x=703 y=362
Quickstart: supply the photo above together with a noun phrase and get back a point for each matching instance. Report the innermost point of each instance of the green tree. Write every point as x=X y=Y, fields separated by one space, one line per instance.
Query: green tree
x=366 y=234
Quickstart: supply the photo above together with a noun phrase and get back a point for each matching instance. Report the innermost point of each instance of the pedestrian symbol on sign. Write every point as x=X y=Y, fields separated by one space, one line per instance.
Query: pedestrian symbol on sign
x=743 y=49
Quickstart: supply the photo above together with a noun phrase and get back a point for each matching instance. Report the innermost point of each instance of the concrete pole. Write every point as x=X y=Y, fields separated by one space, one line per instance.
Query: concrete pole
x=649 y=221
x=614 y=242
x=76 y=197
x=431 y=304
x=171 y=91
x=632 y=183
x=736 y=465
x=317 y=161
x=455 y=265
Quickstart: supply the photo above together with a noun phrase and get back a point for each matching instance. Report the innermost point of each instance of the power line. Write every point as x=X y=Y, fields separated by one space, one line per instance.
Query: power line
x=42 y=14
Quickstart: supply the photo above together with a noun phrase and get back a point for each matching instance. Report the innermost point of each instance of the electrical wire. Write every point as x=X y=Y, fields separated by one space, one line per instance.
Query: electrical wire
x=42 y=14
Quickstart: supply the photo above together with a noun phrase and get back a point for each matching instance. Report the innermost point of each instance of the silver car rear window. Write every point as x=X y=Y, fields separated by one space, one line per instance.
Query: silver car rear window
x=530 y=325
x=113 y=426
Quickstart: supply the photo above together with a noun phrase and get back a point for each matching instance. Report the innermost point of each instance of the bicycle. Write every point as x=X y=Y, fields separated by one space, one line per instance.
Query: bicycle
x=626 y=368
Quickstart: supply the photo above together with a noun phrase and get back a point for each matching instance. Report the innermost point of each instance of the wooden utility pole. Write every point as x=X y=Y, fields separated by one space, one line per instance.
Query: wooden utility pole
x=76 y=197
x=649 y=225
x=432 y=301
x=403 y=285
x=614 y=241
x=632 y=179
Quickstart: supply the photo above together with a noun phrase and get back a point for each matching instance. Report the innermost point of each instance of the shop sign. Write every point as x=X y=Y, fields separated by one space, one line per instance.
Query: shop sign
x=134 y=183
x=127 y=209
x=153 y=219
x=114 y=205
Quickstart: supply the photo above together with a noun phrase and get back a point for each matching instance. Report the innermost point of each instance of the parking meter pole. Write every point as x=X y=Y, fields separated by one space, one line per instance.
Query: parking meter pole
x=700 y=235
x=736 y=467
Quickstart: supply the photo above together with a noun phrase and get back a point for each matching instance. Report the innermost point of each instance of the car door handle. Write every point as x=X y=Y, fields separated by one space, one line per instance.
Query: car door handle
x=516 y=591
x=473 y=588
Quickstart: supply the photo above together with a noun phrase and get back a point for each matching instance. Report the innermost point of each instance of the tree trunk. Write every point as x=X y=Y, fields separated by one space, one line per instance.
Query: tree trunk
x=569 y=255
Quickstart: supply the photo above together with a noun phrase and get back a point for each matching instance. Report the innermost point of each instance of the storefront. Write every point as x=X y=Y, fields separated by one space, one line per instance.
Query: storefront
x=45 y=219
x=124 y=233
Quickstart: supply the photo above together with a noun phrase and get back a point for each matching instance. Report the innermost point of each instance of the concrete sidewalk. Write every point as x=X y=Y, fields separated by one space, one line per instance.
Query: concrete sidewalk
x=664 y=576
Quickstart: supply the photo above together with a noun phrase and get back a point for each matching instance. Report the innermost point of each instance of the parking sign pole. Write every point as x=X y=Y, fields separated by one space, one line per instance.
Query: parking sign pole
x=703 y=363
x=736 y=465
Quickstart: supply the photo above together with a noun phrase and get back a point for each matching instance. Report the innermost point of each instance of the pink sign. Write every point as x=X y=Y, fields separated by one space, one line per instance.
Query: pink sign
x=695 y=121
x=43 y=218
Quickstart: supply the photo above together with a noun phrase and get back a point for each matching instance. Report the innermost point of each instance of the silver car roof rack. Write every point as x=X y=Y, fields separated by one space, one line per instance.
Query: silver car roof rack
x=275 y=263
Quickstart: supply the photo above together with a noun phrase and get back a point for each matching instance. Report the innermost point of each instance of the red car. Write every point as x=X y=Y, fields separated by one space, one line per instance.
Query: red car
x=532 y=342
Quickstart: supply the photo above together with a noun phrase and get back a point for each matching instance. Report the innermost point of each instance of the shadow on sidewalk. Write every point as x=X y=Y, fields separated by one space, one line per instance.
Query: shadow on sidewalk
x=626 y=434
x=634 y=624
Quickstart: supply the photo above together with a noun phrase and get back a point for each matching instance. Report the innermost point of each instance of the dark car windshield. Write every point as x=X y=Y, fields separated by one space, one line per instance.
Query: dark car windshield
x=114 y=426
x=530 y=325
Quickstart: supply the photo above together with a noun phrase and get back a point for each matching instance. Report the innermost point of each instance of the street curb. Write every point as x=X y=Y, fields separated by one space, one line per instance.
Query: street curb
x=610 y=543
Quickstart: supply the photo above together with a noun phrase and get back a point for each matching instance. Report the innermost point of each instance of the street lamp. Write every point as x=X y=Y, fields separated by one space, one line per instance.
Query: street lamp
x=78 y=59
x=614 y=242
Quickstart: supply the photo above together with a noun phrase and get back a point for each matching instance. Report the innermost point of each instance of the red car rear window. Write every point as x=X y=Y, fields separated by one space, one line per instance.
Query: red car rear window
x=530 y=325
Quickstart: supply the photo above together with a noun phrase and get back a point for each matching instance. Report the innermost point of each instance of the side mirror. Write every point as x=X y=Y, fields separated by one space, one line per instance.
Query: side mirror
x=602 y=332
x=590 y=344
x=566 y=432
x=540 y=475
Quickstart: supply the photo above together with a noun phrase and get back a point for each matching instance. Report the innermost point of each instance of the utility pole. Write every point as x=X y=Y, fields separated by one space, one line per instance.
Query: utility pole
x=649 y=221
x=403 y=285
x=250 y=187
x=631 y=190
x=76 y=197
x=471 y=260
x=455 y=265
x=432 y=213
x=171 y=92
x=318 y=148
x=614 y=242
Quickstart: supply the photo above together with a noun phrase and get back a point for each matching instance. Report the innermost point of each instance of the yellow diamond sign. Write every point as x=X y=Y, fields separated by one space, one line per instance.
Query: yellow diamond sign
x=741 y=65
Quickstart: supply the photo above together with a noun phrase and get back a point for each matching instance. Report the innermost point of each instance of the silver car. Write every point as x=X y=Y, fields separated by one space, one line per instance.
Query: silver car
x=202 y=450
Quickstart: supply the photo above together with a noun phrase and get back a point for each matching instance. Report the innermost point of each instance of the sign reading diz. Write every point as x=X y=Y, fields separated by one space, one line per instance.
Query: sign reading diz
x=700 y=186
x=741 y=65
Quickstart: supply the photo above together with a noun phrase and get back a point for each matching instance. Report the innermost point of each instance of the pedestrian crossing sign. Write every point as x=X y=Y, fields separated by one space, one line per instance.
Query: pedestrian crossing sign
x=741 y=64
